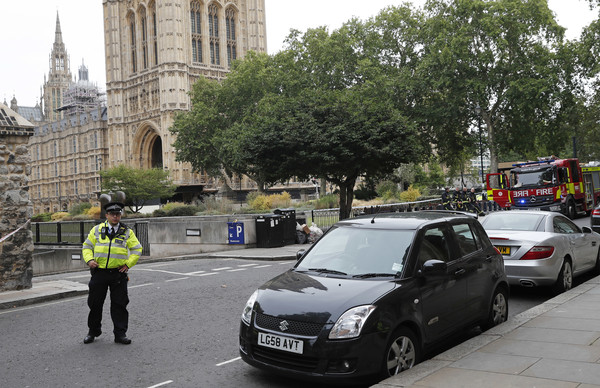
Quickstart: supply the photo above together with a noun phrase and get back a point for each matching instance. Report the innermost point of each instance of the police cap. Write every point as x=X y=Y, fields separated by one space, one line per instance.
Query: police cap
x=114 y=206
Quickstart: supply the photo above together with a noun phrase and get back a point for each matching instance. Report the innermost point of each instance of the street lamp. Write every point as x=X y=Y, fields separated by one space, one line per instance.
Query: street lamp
x=478 y=111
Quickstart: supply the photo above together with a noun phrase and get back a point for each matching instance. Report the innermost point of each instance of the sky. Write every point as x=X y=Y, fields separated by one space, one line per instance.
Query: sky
x=27 y=33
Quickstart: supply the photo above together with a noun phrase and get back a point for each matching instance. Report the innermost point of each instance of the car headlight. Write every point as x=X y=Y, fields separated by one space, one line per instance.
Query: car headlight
x=247 y=313
x=350 y=324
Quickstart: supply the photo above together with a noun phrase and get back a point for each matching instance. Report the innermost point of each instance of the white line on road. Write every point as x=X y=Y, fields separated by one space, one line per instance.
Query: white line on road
x=227 y=362
x=174 y=280
x=141 y=285
x=161 y=384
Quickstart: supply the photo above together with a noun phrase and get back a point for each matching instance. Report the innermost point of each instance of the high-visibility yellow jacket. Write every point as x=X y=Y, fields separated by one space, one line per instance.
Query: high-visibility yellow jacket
x=123 y=249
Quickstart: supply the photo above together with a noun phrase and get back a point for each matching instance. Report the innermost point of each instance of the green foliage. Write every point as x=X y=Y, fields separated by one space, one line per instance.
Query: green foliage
x=139 y=185
x=80 y=208
x=187 y=210
x=329 y=201
x=267 y=202
x=42 y=217
x=410 y=195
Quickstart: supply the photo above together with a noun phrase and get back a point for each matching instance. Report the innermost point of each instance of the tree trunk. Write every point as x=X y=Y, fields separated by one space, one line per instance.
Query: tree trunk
x=346 y=197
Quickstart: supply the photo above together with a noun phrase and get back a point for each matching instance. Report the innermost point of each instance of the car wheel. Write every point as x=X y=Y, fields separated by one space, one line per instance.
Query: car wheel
x=597 y=266
x=498 y=312
x=571 y=209
x=564 y=281
x=402 y=353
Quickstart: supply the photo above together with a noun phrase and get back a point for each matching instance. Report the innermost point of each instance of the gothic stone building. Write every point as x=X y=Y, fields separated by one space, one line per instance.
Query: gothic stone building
x=155 y=51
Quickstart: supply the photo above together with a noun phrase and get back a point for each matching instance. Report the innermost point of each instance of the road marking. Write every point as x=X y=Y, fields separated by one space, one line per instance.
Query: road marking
x=229 y=361
x=174 y=280
x=141 y=285
x=161 y=384
x=221 y=269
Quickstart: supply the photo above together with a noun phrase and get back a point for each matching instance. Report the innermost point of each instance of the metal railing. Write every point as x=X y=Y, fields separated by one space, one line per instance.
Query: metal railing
x=74 y=233
x=325 y=218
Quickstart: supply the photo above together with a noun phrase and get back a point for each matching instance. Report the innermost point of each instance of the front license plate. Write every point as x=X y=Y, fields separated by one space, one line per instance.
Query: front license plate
x=503 y=250
x=281 y=343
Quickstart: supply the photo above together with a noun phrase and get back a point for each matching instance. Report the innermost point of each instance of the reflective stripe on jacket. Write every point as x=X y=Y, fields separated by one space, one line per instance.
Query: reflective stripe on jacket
x=123 y=249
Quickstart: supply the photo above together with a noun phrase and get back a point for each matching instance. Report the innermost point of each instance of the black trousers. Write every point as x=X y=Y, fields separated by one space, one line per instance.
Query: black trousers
x=101 y=281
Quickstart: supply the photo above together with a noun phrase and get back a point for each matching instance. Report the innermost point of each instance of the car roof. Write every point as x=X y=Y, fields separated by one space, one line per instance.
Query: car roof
x=407 y=220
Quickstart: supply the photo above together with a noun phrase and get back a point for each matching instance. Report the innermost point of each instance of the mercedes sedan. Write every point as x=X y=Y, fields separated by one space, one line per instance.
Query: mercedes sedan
x=372 y=295
x=543 y=248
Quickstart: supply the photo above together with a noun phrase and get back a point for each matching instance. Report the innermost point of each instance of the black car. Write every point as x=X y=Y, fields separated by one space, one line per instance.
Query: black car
x=373 y=294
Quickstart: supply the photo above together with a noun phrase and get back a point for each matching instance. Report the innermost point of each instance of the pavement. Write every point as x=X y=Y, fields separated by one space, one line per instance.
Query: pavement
x=555 y=344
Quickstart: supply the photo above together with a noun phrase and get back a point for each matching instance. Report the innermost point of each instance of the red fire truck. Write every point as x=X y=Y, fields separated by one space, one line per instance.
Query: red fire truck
x=547 y=184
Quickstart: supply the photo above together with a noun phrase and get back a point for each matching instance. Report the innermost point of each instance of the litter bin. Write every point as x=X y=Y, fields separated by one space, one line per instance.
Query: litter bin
x=288 y=220
x=269 y=231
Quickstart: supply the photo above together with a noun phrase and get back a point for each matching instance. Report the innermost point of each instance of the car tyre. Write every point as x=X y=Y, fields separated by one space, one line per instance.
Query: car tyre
x=564 y=281
x=402 y=352
x=571 y=209
x=498 y=311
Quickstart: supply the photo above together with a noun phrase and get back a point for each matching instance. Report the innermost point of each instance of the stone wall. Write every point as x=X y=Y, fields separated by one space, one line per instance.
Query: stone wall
x=15 y=211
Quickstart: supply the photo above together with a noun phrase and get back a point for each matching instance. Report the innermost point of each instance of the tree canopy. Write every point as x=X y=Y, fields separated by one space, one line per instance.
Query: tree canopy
x=406 y=84
x=139 y=185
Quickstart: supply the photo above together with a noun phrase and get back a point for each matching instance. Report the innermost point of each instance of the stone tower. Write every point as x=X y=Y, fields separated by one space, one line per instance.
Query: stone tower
x=59 y=77
x=155 y=51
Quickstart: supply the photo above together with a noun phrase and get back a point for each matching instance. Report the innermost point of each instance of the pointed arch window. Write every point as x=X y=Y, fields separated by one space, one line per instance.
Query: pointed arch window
x=195 y=19
x=144 y=31
x=132 y=43
x=154 y=34
x=213 y=32
x=231 y=39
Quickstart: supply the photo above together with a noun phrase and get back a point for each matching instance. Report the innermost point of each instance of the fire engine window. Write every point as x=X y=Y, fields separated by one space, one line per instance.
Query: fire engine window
x=563 y=176
x=574 y=170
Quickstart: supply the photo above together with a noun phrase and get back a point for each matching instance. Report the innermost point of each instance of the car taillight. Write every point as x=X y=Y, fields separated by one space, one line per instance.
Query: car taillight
x=537 y=253
x=596 y=212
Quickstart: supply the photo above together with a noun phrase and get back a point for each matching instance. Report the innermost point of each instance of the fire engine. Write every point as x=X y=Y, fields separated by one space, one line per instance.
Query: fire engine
x=547 y=184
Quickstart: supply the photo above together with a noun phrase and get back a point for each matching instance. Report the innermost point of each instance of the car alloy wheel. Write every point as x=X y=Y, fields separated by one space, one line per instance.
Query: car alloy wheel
x=564 y=281
x=402 y=353
x=498 y=312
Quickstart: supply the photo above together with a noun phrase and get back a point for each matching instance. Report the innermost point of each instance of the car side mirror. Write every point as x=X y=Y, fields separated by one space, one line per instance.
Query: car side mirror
x=432 y=268
x=300 y=253
x=586 y=229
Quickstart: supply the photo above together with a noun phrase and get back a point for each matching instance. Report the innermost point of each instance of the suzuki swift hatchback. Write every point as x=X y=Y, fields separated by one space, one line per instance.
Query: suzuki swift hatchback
x=372 y=294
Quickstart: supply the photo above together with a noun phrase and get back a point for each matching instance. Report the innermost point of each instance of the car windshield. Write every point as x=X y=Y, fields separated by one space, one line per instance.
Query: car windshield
x=359 y=252
x=512 y=221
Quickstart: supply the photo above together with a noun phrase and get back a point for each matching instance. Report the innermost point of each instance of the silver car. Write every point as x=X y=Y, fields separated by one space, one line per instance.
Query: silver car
x=542 y=248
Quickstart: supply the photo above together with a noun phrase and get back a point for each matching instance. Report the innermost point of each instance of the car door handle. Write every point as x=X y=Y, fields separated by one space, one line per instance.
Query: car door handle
x=459 y=272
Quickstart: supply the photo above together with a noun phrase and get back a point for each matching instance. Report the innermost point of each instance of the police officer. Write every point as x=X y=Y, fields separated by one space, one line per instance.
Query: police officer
x=447 y=199
x=110 y=249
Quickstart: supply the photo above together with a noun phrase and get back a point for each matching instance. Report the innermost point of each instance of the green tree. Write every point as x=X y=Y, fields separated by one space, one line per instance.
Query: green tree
x=139 y=185
x=508 y=58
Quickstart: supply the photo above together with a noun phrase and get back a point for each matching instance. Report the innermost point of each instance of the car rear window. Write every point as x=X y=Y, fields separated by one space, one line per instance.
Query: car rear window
x=512 y=221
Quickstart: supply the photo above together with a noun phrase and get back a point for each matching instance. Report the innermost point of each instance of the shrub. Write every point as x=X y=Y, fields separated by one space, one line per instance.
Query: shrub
x=59 y=216
x=42 y=217
x=80 y=208
x=159 y=213
x=186 y=210
x=328 y=201
x=172 y=205
x=410 y=195
x=94 y=212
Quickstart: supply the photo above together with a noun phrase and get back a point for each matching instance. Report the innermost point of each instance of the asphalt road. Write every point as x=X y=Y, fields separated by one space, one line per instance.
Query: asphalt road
x=184 y=322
